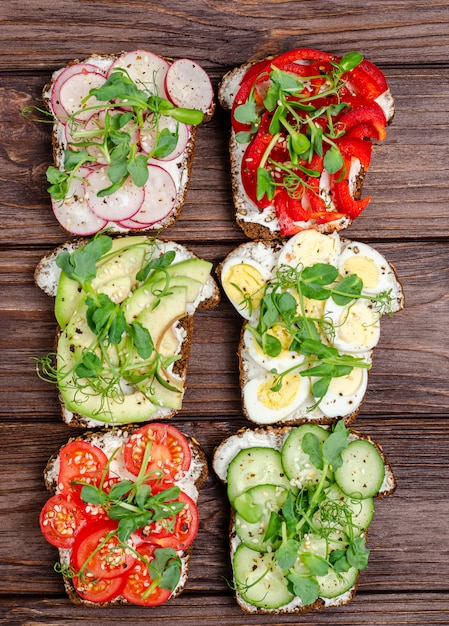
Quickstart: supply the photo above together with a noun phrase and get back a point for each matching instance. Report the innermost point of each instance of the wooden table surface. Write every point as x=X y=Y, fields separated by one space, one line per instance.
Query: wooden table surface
x=406 y=406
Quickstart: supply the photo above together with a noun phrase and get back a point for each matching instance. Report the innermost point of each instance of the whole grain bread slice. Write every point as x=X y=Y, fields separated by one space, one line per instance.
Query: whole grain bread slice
x=274 y=437
x=263 y=224
x=47 y=275
x=109 y=441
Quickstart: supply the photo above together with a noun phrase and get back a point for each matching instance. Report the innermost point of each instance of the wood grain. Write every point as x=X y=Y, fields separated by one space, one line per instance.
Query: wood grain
x=407 y=403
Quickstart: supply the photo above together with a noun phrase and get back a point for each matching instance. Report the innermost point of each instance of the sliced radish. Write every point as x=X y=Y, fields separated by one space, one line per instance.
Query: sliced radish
x=146 y=69
x=121 y=205
x=75 y=89
x=188 y=85
x=73 y=213
x=160 y=196
x=132 y=224
x=55 y=98
x=148 y=135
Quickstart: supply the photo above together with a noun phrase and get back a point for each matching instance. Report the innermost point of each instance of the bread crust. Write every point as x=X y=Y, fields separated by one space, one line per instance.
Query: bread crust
x=275 y=436
x=196 y=477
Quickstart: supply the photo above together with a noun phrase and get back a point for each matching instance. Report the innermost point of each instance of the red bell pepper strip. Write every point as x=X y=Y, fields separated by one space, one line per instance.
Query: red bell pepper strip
x=354 y=147
x=342 y=195
x=368 y=80
x=252 y=158
x=371 y=113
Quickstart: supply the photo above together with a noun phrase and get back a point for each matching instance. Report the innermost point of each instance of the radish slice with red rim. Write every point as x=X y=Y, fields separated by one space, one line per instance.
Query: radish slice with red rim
x=75 y=89
x=148 y=136
x=132 y=224
x=55 y=97
x=160 y=196
x=188 y=85
x=146 y=69
x=73 y=213
x=121 y=205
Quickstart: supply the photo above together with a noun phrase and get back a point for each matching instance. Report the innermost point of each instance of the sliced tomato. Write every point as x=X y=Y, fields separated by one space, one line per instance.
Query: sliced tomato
x=98 y=590
x=60 y=520
x=80 y=461
x=98 y=551
x=170 y=455
x=177 y=533
x=139 y=582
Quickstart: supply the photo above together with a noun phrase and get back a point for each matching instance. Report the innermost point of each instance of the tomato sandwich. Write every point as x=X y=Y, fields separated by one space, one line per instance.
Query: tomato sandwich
x=123 y=513
x=123 y=139
x=124 y=308
x=303 y=124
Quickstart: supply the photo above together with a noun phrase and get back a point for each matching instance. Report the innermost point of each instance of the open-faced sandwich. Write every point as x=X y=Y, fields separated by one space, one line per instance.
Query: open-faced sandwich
x=312 y=308
x=302 y=128
x=302 y=500
x=123 y=139
x=123 y=513
x=125 y=309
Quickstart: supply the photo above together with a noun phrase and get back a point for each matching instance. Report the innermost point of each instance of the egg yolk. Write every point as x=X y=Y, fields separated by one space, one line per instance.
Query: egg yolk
x=365 y=269
x=276 y=400
x=358 y=325
x=244 y=281
x=347 y=385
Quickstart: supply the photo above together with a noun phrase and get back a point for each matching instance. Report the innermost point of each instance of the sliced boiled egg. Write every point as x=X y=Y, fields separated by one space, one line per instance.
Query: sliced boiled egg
x=285 y=359
x=354 y=328
x=265 y=406
x=309 y=247
x=244 y=280
x=345 y=393
x=369 y=265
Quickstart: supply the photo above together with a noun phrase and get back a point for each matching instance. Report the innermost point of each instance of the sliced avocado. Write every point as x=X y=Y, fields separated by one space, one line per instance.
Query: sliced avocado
x=128 y=408
x=124 y=259
x=68 y=295
x=160 y=395
x=126 y=262
x=193 y=286
x=195 y=268
x=158 y=316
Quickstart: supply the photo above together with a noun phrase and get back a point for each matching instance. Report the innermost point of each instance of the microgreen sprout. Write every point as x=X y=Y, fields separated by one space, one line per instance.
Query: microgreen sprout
x=134 y=506
x=283 y=304
x=296 y=116
x=120 y=352
x=109 y=136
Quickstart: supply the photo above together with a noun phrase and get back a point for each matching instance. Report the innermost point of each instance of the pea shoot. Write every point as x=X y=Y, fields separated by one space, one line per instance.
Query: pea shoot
x=283 y=304
x=297 y=117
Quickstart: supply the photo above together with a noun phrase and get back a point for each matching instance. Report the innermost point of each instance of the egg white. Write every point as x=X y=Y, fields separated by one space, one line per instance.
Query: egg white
x=369 y=265
x=355 y=327
x=345 y=393
x=258 y=411
x=250 y=286
x=280 y=363
x=309 y=247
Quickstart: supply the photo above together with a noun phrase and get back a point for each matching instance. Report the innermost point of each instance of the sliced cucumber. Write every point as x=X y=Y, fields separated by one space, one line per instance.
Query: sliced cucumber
x=265 y=499
x=342 y=513
x=297 y=464
x=363 y=470
x=259 y=580
x=333 y=584
x=255 y=466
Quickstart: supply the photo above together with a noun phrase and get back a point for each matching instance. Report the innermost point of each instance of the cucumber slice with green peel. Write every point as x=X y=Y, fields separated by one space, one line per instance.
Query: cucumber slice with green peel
x=297 y=463
x=342 y=513
x=259 y=580
x=262 y=501
x=255 y=466
x=334 y=584
x=363 y=470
